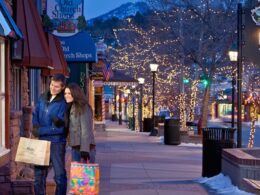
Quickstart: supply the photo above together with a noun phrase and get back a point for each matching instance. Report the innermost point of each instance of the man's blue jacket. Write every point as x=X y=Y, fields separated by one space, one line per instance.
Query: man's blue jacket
x=43 y=116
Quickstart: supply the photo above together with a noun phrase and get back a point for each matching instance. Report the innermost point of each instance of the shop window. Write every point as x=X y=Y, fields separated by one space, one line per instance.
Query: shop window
x=2 y=94
x=16 y=103
x=34 y=85
x=98 y=103
x=45 y=84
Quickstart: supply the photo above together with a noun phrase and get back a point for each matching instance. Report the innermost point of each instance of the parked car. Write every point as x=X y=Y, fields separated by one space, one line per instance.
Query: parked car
x=164 y=113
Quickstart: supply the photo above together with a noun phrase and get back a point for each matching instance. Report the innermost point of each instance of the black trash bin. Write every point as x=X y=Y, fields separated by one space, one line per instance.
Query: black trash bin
x=214 y=140
x=147 y=124
x=172 y=131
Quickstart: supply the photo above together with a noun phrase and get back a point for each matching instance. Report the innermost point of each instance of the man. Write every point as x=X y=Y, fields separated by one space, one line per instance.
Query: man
x=48 y=124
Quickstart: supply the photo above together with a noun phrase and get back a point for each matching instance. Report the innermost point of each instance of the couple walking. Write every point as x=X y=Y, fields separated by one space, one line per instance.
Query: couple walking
x=61 y=112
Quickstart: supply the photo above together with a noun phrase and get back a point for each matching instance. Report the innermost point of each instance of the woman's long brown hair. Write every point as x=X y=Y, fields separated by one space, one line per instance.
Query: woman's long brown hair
x=80 y=100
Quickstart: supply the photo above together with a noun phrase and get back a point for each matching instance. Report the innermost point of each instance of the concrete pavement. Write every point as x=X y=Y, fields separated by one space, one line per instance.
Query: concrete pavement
x=134 y=163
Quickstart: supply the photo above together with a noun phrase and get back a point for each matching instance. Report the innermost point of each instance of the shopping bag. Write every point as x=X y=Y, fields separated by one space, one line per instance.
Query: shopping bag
x=33 y=151
x=84 y=179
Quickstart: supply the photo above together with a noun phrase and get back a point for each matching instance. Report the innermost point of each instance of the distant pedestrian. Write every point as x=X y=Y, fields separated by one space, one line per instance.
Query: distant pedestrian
x=79 y=123
x=48 y=124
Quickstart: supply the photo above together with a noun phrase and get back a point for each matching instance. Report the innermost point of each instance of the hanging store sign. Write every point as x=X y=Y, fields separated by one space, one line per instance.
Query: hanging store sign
x=75 y=52
x=251 y=35
x=97 y=76
x=64 y=16
x=255 y=14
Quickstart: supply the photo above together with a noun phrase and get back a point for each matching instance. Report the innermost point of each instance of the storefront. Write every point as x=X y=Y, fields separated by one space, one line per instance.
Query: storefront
x=8 y=33
x=80 y=58
x=118 y=99
x=222 y=106
x=24 y=56
x=31 y=56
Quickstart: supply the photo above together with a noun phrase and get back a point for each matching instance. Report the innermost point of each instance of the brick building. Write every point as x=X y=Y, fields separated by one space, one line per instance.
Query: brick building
x=29 y=56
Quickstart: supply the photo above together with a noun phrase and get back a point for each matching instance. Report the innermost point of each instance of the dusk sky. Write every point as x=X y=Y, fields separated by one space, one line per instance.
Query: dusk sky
x=95 y=8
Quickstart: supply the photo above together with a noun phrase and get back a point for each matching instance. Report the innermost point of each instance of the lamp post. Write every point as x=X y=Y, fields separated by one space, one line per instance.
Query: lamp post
x=120 y=108
x=133 y=101
x=141 y=82
x=126 y=103
x=153 y=68
x=239 y=75
x=233 y=58
x=114 y=116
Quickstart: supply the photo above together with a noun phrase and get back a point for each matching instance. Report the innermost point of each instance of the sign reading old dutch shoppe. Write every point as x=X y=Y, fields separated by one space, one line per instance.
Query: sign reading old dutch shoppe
x=251 y=33
x=64 y=16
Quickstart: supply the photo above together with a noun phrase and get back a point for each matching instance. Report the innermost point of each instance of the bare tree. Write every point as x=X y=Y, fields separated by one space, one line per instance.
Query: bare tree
x=208 y=31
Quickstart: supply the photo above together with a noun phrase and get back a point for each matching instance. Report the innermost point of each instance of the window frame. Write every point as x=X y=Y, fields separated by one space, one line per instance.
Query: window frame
x=16 y=89
x=4 y=152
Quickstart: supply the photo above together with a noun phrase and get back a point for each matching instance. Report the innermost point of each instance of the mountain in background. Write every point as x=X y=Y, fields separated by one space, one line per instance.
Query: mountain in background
x=124 y=11
x=130 y=9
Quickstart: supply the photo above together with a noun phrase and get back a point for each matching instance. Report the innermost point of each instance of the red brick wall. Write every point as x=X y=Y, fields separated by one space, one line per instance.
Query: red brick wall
x=25 y=89
x=5 y=184
x=15 y=167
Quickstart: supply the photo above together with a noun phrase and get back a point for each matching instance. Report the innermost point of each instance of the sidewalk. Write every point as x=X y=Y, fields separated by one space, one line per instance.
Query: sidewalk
x=134 y=163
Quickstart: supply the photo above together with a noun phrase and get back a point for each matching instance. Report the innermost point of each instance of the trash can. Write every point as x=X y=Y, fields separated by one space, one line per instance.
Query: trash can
x=214 y=140
x=147 y=124
x=172 y=132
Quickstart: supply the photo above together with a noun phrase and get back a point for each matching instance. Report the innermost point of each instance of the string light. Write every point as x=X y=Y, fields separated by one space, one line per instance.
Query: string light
x=254 y=102
x=183 y=118
x=137 y=47
x=193 y=100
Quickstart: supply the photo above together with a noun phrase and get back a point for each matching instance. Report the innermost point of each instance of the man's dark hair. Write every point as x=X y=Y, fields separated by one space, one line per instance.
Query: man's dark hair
x=59 y=77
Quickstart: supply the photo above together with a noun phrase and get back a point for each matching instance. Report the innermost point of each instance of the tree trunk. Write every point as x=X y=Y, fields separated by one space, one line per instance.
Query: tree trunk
x=205 y=107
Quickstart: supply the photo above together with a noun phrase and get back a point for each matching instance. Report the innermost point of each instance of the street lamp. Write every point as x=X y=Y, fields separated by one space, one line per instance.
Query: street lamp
x=239 y=74
x=133 y=114
x=233 y=58
x=120 y=108
x=141 y=82
x=126 y=103
x=153 y=68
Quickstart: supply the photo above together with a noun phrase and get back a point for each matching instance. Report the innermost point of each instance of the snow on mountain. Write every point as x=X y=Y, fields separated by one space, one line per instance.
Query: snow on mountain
x=124 y=11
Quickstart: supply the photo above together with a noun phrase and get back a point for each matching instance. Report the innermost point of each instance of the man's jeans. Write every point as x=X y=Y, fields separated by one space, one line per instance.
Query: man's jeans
x=57 y=161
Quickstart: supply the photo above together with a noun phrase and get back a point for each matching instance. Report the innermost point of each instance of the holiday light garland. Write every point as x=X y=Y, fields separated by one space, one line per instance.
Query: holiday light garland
x=183 y=118
x=252 y=130
x=253 y=102
x=193 y=99
x=137 y=48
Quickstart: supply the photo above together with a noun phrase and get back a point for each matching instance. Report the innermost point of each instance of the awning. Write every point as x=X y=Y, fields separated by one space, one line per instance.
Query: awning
x=58 y=60
x=7 y=24
x=36 y=52
x=79 y=48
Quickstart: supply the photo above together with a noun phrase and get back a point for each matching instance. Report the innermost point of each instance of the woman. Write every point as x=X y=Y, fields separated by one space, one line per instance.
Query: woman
x=79 y=122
